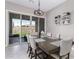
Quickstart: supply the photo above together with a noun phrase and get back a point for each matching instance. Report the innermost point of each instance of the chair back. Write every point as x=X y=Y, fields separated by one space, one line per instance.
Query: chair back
x=65 y=47
x=43 y=34
x=35 y=34
x=49 y=34
x=32 y=43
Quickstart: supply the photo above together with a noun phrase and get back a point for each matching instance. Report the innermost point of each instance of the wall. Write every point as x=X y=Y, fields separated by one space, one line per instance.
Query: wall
x=7 y=29
x=64 y=30
x=15 y=7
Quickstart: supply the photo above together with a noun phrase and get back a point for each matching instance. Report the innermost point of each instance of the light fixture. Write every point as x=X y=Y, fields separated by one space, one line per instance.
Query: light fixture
x=38 y=11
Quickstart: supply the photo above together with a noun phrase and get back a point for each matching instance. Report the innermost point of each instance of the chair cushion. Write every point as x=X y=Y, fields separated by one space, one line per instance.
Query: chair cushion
x=55 y=56
x=38 y=52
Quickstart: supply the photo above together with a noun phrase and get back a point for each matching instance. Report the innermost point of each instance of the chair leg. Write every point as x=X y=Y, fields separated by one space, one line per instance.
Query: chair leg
x=60 y=57
x=29 y=53
x=28 y=50
x=35 y=54
x=68 y=55
x=31 y=56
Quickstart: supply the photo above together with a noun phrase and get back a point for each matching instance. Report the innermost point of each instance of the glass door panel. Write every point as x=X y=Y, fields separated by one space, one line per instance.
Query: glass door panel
x=14 y=28
x=41 y=25
x=34 y=24
x=25 y=27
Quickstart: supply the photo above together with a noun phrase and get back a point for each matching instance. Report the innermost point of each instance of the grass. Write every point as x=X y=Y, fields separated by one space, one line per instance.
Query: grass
x=22 y=34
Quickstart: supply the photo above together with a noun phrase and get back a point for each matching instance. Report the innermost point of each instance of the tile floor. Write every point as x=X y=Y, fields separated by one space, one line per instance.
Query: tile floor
x=18 y=51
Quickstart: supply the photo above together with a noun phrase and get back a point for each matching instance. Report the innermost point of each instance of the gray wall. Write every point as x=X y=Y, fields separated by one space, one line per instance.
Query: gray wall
x=66 y=31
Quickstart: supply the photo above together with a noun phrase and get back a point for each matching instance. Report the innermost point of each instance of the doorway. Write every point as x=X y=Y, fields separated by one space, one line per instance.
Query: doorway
x=22 y=25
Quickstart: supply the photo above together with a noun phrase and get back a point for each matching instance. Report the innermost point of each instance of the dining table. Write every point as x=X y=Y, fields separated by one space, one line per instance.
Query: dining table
x=48 y=45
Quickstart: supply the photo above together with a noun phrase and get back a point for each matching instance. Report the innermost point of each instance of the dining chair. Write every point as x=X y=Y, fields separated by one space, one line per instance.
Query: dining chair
x=29 y=46
x=35 y=34
x=65 y=47
x=49 y=34
x=35 y=51
x=56 y=36
x=43 y=34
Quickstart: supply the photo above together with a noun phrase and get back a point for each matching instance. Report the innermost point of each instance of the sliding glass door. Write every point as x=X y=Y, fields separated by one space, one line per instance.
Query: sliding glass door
x=22 y=25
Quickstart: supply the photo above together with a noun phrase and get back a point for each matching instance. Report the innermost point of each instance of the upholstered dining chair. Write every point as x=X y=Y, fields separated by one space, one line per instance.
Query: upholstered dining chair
x=43 y=34
x=29 y=46
x=65 y=47
x=35 y=35
x=35 y=51
x=49 y=34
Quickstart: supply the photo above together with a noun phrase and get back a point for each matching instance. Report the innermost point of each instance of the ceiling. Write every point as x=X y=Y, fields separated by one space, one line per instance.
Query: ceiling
x=45 y=5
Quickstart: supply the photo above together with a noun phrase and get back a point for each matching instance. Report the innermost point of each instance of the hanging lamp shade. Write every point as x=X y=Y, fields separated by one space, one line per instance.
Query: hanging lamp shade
x=38 y=11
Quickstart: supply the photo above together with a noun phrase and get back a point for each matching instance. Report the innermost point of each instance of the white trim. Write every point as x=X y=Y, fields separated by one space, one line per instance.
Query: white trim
x=38 y=24
x=45 y=25
x=25 y=13
x=7 y=28
x=20 y=27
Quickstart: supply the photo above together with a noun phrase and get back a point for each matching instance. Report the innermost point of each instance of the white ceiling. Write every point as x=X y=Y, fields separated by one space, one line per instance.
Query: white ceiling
x=46 y=5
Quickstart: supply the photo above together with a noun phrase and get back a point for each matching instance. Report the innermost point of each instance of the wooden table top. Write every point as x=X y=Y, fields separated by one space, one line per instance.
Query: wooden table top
x=46 y=46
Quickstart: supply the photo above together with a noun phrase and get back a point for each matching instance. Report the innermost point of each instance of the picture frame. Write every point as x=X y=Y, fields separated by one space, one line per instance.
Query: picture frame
x=64 y=19
x=57 y=19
